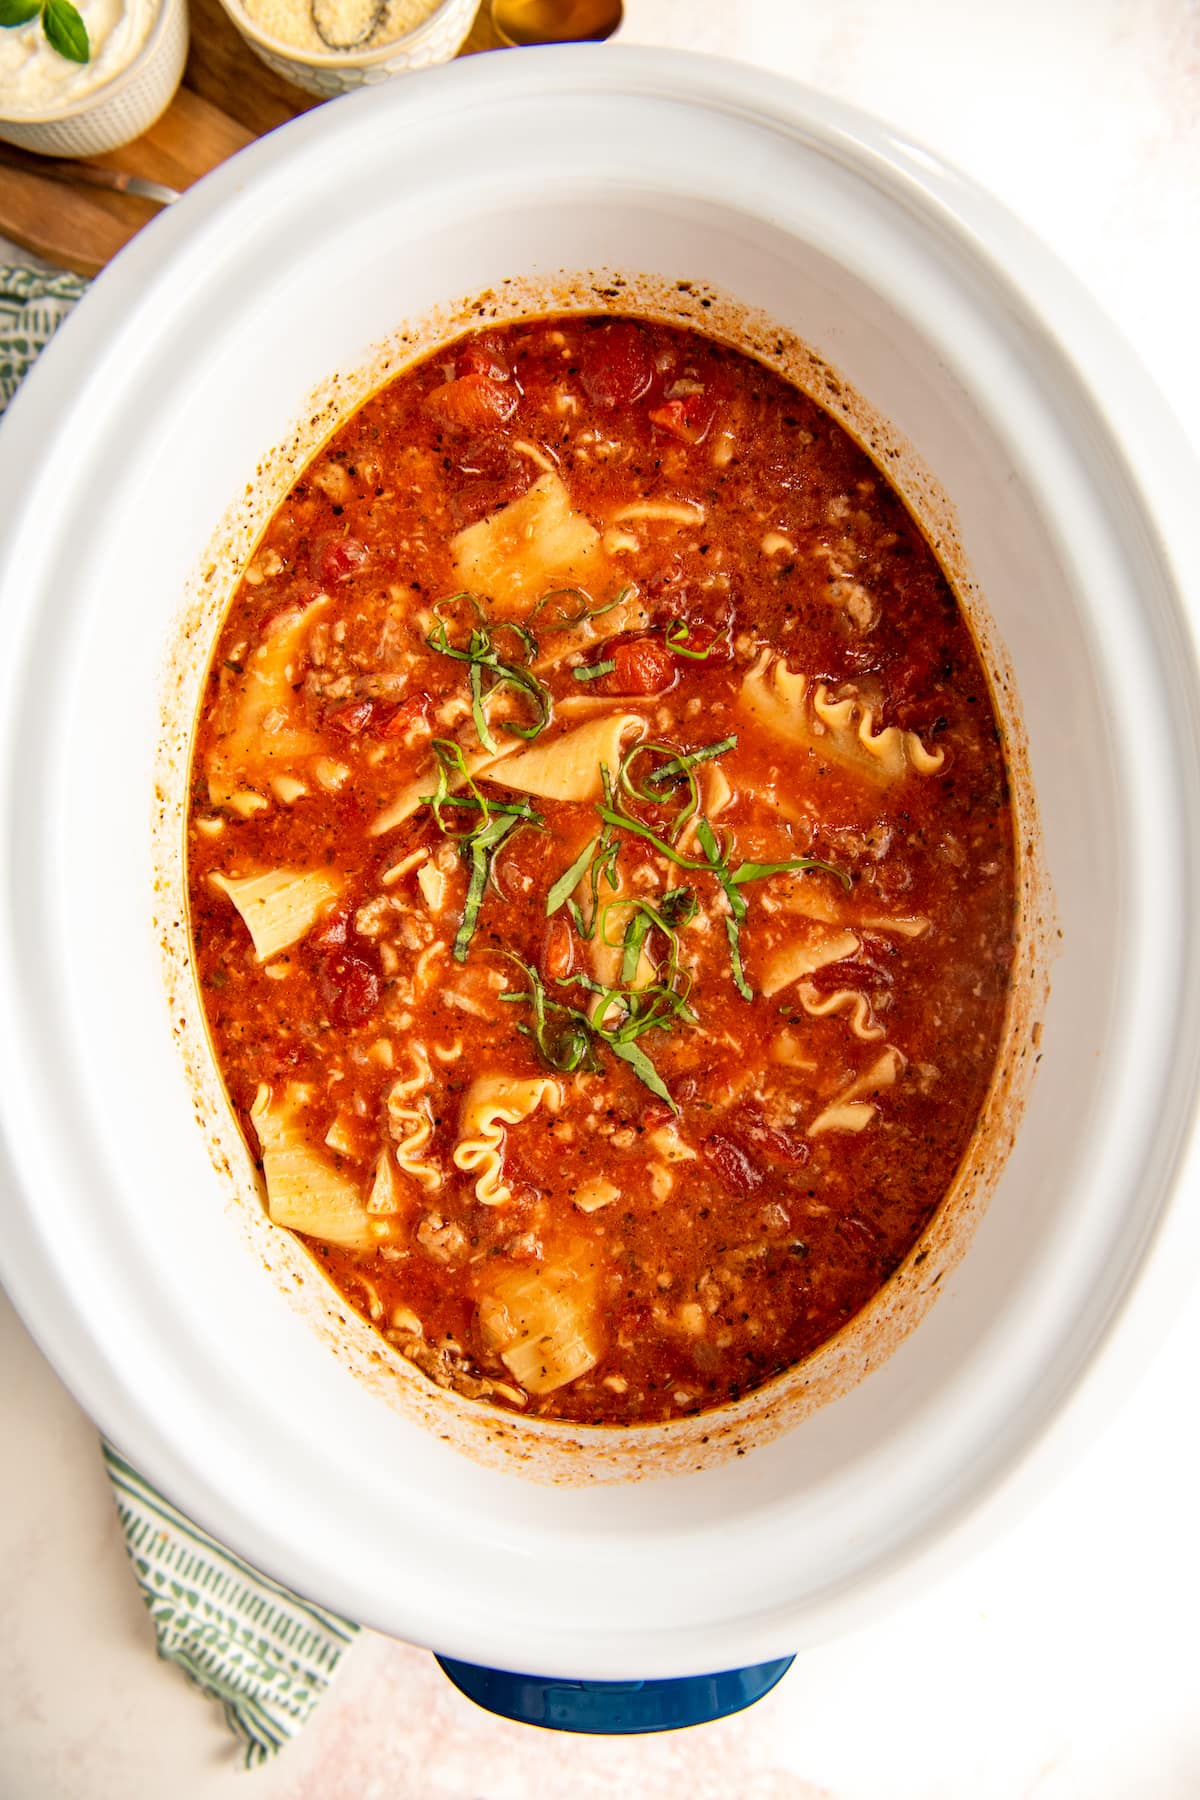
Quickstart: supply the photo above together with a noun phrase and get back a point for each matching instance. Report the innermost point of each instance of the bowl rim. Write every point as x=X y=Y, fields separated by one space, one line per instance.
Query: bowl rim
x=337 y=59
x=86 y=104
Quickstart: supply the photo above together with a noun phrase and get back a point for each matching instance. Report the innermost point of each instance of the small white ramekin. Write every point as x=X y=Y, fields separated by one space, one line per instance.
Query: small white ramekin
x=121 y=108
x=331 y=72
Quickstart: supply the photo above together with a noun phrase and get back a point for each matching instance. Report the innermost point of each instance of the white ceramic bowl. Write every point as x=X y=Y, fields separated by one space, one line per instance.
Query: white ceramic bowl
x=144 y=423
x=121 y=108
x=435 y=40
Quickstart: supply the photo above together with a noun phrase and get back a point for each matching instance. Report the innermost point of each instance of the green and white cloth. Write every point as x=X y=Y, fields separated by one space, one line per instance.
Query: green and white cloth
x=33 y=304
x=264 y=1653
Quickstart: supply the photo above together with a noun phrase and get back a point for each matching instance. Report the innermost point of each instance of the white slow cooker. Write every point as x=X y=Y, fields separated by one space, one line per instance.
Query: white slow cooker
x=135 y=463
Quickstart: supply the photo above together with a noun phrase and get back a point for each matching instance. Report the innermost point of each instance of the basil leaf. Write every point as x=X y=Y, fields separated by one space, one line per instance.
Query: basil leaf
x=644 y=1069
x=65 y=31
x=636 y=933
x=481 y=848
x=691 y=759
x=594 y=670
x=679 y=906
x=624 y=823
x=567 y=621
x=18 y=12
x=677 y=635
x=484 y=735
x=569 y=880
x=752 y=871
x=733 y=933
x=482 y=655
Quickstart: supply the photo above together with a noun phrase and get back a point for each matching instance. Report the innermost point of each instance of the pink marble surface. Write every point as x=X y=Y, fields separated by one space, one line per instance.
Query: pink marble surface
x=1060 y=1663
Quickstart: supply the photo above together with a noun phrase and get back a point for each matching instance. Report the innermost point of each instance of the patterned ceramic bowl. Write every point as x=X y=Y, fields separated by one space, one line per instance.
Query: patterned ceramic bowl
x=120 y=108
x=332 y=72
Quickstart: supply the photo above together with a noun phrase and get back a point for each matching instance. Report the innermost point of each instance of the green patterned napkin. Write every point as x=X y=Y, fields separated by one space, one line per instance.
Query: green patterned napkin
x=264 y=1653
x=33 y=304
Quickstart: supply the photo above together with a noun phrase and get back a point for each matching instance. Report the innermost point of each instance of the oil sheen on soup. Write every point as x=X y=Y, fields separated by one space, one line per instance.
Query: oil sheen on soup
x=601 y=870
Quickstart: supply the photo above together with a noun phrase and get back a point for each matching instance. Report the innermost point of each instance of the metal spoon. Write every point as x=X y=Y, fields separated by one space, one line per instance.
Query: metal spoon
x=555 y=21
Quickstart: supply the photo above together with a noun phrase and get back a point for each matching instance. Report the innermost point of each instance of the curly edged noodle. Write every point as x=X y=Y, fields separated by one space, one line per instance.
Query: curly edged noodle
x=844 y=729
x=830 y=909
x=491 y=1103
x=264 y=741
x=543 y=1323
x=791 y=964
x=411 y=1121
x=281 y=906
x=304 y=1192
x=848 y=1001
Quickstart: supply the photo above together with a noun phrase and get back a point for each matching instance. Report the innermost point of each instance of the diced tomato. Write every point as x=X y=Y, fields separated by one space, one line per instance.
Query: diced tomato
x=473 y=403
x=656 y=1114
x=478 y=498
x=558 y=952
x=336 y=559
x=643 y=666
x=349 y=987
x=402 y=718
x=615 y=365
x=352 y=719
x=332 y=932
x=764 y=1142
x=730 y=1164
x=687 y=418
x=480 y=356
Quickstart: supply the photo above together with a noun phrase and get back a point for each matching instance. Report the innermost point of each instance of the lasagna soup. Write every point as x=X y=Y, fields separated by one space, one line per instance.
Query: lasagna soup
x=601 y=870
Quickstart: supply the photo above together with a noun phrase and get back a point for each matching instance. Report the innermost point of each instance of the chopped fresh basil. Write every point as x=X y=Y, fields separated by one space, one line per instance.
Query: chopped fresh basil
x=583 y=612
x=677 y=634
x=691 y=759
x=593 y=671
x=569 y=880
x=567 y=1038
x=477 y=845
x=483 y=659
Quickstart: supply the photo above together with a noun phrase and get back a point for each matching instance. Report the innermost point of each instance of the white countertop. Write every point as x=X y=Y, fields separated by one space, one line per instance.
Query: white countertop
x=1060 y=1662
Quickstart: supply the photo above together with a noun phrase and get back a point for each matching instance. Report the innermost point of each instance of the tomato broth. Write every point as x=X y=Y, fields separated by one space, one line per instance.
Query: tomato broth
x=601 y=869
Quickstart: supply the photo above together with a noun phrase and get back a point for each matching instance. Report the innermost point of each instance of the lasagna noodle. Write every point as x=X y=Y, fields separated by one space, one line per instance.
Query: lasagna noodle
x=530 y=546
x=303 y=1191
x=413 y=795
x=852 y=1110
x=543 y=1324
x=265 y=739
x=568 y=767
x=793 y=961
x=281 y=906
x=491 y=1103
x=843 y=729
x=411 y=1122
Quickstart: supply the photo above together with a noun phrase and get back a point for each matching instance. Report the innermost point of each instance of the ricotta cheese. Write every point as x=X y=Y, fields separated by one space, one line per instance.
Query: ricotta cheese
x=36 y=81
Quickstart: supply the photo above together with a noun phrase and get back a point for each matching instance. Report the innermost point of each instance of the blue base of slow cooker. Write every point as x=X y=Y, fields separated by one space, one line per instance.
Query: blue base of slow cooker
x=614 y=1708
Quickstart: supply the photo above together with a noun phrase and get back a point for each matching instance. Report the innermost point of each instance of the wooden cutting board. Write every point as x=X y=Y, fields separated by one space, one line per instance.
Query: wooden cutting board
x=227 y=99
